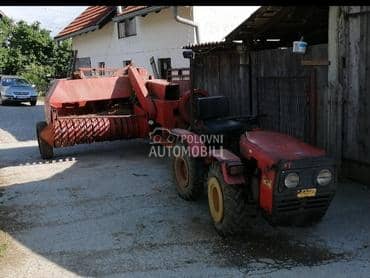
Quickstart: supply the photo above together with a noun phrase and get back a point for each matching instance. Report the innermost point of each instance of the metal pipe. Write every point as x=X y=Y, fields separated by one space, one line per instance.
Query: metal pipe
x=186 y=21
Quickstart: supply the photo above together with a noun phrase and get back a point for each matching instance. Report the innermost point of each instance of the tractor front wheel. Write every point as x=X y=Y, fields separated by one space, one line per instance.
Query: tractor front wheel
x=188 y=173
x=46 y=151
x=227 y=203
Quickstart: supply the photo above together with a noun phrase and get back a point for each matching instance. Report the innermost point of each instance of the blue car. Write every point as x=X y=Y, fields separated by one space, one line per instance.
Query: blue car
x=16 y=89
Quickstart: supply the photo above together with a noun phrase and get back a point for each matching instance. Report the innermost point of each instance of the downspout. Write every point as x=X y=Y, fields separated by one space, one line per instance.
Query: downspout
x=187 y=22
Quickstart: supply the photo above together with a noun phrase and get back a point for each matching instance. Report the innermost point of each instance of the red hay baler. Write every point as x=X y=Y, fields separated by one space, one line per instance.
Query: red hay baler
x=127 y=104
x=249 y=170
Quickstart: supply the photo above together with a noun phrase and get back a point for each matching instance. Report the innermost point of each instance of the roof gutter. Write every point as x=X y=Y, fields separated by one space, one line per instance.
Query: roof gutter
x=186 y=21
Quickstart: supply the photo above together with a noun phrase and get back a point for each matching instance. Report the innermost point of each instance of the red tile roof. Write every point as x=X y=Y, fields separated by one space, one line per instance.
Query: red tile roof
x=88 y=18
x=92 y=16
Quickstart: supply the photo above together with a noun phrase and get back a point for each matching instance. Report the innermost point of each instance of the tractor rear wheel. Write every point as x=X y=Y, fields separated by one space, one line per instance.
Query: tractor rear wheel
x=227 y=203
x=46 y=151
x=188 y=173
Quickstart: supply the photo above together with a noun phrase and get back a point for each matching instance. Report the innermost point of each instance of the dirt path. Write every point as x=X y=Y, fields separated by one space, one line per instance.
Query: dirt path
x=109 y=210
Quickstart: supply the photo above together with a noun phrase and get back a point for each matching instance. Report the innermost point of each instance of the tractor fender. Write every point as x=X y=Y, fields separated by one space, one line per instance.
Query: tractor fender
x=227 y=160
x=184 y=104
x=192 y=140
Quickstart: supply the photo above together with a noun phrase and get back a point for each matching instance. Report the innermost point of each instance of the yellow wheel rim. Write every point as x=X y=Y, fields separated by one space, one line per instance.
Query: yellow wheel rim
x=215 y=199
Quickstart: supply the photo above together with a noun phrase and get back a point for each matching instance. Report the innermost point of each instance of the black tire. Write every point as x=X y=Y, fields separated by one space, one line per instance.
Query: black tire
x=33 y=102
x=46 y=151
x=188 y=173
x=232 y=214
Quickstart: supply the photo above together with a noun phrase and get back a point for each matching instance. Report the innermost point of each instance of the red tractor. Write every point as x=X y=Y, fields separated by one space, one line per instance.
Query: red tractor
x=248 y=170
x=252 y=170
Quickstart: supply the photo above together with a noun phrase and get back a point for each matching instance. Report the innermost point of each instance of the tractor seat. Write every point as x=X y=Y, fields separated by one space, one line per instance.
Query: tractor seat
x=211 y=111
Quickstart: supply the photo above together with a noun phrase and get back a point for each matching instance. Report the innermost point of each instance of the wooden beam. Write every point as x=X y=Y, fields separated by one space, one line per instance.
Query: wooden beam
x=315 y=63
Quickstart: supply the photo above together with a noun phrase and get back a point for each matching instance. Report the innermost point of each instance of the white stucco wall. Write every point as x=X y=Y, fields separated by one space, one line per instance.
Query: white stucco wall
x=160 y=36
x=155 y=37
x=215 y=22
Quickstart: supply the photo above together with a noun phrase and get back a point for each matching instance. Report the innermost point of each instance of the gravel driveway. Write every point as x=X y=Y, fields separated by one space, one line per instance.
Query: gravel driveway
x=108 y=210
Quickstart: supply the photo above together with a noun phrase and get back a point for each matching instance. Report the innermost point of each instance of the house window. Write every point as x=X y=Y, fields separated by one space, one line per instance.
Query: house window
x=164 y=65
x=126 y=62
x=101 y=68
x=83 y=62
x=126 y=28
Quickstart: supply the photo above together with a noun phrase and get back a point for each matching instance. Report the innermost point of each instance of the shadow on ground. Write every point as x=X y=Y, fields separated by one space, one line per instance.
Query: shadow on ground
x=109 y=209
x=20 y=113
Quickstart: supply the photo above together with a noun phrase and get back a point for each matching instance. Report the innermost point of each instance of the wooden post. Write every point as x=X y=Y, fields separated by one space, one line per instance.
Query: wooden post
x=335 y=89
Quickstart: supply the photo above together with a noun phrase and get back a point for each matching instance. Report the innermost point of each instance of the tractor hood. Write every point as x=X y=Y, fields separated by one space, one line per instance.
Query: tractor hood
x=274 y=146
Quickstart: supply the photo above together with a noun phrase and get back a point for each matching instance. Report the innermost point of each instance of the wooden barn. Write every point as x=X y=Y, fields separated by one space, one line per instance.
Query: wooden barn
x=320 y=96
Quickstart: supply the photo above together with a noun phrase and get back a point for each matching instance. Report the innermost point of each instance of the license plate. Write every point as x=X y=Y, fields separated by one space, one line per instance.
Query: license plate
x=22 y=97
x=309 y=192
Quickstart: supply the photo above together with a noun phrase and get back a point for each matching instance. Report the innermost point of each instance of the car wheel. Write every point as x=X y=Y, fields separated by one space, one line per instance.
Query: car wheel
x=33 y=102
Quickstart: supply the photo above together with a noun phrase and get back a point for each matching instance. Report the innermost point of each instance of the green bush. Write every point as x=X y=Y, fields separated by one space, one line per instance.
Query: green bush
x=38 y=75
x=29 y=51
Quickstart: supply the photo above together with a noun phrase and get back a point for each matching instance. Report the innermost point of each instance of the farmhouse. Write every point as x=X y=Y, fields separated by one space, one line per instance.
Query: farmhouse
x=110 y=36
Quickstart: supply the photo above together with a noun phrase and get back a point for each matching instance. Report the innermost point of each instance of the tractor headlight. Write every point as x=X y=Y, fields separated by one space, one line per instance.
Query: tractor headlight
x=291 y=180
x=324 y=177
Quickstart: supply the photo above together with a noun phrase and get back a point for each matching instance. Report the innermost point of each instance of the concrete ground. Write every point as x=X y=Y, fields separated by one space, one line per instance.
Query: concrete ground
x=108 y=210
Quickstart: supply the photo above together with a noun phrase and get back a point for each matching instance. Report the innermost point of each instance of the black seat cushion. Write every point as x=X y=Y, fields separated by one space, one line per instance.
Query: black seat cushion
x=211 y=107
x=211 y=112
x=222 y=126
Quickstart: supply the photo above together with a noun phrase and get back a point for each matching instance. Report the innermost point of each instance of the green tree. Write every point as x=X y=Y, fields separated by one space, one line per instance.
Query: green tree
x=5 y=26
x=30 y=51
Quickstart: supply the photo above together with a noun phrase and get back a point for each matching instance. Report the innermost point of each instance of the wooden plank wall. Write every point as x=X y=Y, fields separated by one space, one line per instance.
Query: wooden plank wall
x=278 y=84
x=220 y=73
x=274 y=83
x=291 y=89
x=354 y=76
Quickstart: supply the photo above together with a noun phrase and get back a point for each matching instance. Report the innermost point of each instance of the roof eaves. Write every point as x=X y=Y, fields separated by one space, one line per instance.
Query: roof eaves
x=94 y=27
x=139 y=12
x=212 y=45
x=76 y=33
